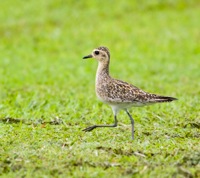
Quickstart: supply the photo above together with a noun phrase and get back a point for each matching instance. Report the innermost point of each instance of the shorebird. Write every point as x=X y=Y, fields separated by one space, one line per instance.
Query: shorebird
x=118 y=94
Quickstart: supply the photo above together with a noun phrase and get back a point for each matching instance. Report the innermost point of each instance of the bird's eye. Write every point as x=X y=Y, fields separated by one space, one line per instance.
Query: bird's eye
x=96 y=52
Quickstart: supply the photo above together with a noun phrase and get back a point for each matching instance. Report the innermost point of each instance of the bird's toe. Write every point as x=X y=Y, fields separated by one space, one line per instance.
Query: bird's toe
x=88 y=129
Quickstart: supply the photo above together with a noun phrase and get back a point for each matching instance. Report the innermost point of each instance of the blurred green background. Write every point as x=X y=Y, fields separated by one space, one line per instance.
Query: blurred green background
x=47 y=91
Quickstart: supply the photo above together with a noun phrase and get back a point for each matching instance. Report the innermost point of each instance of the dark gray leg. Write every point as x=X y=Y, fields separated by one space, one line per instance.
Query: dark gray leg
x=88 y=129
x=132 y=123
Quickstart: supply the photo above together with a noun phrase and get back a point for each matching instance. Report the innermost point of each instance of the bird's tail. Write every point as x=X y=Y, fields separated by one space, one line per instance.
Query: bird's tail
x=161 y=99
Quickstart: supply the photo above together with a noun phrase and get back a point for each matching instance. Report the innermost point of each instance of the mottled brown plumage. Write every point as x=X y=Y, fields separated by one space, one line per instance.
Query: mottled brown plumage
x=117 y=91
x=118 y=94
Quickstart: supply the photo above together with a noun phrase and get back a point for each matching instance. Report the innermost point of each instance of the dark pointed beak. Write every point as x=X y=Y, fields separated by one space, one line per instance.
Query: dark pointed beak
x=89 y=56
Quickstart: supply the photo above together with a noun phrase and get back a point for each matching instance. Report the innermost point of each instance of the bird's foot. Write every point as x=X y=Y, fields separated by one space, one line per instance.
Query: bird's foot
x=88 y=129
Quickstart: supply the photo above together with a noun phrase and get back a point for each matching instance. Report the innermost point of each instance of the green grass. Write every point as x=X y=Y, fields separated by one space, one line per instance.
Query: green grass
x=47 y=91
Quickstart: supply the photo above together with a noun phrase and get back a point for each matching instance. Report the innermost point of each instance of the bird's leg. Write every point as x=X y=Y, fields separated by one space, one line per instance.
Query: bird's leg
x=132 y=123
x=88 y=129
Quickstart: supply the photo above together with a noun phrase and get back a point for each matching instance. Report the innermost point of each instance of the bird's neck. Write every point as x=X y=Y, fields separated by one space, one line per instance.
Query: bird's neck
x=102 y=71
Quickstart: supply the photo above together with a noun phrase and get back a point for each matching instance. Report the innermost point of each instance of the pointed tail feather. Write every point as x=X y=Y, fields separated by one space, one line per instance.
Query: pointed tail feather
x=160 y=99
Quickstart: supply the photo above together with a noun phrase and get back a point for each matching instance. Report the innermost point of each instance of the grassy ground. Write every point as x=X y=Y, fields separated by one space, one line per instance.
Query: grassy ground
x=47 y=91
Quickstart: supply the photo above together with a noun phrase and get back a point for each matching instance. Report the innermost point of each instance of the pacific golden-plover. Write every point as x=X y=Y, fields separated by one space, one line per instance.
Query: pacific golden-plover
x=116 y=93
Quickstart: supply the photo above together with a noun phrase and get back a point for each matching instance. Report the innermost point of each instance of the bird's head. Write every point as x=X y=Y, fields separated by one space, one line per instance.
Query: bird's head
x=102 y=54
